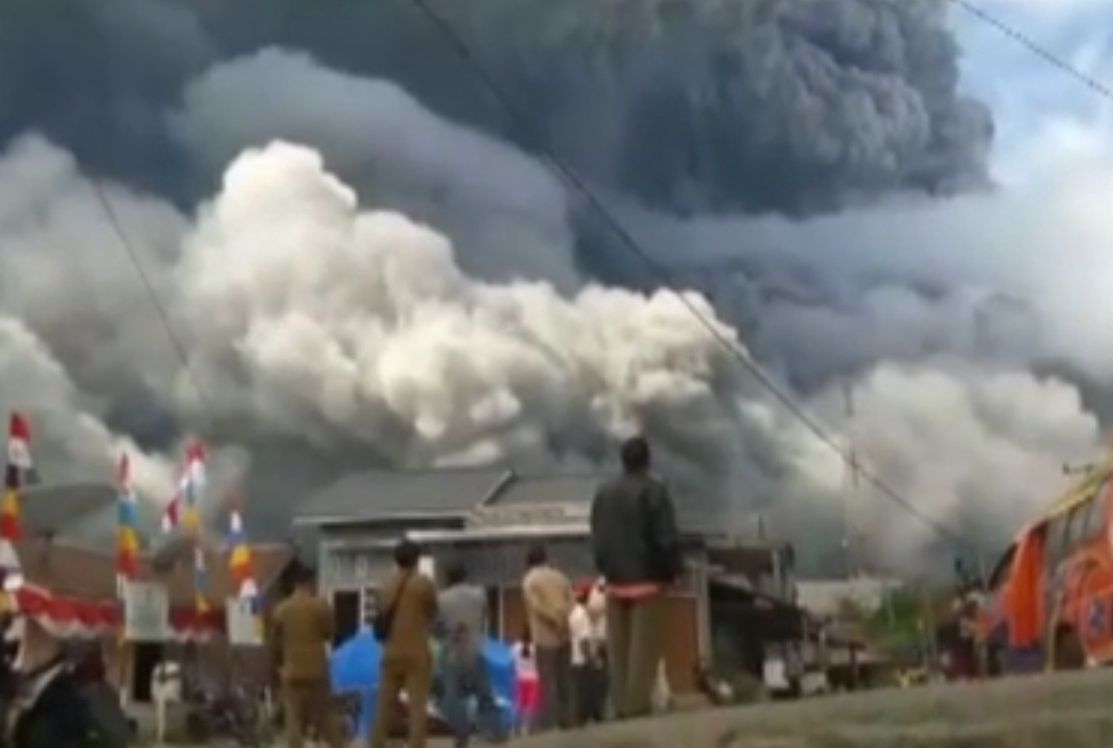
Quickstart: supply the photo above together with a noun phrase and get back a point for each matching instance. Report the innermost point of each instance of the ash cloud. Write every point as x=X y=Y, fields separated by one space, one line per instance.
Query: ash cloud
x=413 y=224
x=795 y=105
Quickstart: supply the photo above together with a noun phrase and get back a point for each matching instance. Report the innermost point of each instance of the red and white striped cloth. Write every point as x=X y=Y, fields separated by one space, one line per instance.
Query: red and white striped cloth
x=74 y=618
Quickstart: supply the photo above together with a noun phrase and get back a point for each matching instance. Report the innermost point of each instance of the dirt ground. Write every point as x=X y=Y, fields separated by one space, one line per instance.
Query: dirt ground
x=1063 y=711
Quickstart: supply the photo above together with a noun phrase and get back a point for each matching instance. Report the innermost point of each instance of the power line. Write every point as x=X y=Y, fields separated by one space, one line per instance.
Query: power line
x=454 y=40
x=164 y=316
x=1035 y=47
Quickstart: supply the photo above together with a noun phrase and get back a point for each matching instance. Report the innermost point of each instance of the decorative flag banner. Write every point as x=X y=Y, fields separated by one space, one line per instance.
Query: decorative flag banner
x=127 y=534
x=240 y=563
x=200 y=579
x=18 y=467
x=183 y=507
x=242 y=569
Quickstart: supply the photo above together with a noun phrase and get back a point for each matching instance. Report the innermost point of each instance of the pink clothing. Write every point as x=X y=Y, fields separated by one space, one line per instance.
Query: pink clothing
x=636 y=591
x=528 y=697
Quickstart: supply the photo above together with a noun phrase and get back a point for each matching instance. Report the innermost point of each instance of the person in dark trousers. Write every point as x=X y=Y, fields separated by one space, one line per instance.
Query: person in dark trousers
x=588 y=626
x=548 y=600
x=461 y=627
x=410 y=601
x=637 y=550
x=302 y=631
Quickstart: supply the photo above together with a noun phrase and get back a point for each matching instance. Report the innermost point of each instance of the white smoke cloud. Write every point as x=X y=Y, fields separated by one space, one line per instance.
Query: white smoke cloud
x=1017 y=276
x=977 y=448
x=402 y=333
x=505 y=211
x=82 y=353
x=311 y=317
x=70 y=443
x=67 y=277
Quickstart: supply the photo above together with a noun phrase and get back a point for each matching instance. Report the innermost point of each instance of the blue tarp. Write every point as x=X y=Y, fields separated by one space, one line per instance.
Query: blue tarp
x=355 y=668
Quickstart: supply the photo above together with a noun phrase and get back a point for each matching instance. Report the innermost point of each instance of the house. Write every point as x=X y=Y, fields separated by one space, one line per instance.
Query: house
x=71 y=586
x=488 y=519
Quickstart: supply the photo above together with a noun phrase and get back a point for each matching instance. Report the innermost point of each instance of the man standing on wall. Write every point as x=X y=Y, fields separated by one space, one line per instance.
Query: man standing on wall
x=637 y=550
x=302 y=634
x=548 y=600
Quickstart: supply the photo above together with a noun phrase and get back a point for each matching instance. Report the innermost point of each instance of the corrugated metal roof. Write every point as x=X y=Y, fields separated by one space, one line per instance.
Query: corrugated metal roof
x=548 y=489
x=53 y=508
x=380 y=494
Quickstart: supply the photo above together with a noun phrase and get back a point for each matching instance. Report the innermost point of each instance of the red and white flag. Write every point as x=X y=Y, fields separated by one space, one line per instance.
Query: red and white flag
x=183 y=505
x=18 y=468
x=19 y=443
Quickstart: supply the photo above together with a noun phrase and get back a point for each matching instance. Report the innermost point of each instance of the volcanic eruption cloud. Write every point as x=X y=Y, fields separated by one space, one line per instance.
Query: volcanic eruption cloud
x=364 y=262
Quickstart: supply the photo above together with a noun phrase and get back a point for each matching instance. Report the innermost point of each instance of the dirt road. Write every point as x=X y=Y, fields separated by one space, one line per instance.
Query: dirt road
x=1060 y=711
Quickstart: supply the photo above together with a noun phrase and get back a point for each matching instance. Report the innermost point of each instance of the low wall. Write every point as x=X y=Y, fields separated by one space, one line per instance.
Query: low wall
x=1061 y=711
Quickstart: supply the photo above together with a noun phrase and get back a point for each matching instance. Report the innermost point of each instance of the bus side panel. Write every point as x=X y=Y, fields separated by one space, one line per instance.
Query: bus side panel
x=1087 y=593
x=1094 y=611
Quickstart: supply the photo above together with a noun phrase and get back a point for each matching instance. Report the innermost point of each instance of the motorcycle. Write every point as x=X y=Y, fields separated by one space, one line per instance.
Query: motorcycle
x=233 y=715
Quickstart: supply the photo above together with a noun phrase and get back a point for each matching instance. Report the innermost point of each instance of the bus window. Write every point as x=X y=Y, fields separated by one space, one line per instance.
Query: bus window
x=1097 y=522
x=1001 y=571
x=1077 y=524
x=1056 y=542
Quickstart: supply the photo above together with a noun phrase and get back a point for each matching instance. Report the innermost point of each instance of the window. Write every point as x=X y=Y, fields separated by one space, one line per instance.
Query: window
x=1098 y=521
x=1004 y=566
x=1056 y=541
x=1077 y=520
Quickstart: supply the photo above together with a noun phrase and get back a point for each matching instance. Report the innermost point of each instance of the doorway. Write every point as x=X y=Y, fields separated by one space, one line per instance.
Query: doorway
x=147 y=657
x=346 y=613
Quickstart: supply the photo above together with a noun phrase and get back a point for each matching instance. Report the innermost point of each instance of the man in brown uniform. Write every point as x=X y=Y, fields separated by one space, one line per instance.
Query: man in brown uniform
x=302 y=633
x=410 y=598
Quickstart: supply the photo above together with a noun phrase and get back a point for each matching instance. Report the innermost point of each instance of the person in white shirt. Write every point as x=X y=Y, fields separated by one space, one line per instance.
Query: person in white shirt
x=587 y=626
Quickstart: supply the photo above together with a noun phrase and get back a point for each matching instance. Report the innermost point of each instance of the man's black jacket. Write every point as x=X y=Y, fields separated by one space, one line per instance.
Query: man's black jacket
x=633 y=531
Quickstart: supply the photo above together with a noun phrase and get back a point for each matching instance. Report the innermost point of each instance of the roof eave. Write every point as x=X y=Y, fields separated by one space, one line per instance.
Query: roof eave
x=333 y=520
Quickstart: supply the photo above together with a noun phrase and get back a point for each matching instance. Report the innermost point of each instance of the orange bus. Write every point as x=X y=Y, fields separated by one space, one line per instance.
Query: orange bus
x=1049 y=600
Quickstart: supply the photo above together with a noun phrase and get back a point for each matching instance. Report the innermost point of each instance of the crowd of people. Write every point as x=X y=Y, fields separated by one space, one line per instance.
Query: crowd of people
x=588 y=652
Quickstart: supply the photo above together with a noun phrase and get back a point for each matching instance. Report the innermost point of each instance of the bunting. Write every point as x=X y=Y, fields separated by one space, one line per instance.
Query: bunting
x=200 y=579
x=241 y=566
x=183 y=507
x=18 y=468
x=127 y=534
x=240 y=563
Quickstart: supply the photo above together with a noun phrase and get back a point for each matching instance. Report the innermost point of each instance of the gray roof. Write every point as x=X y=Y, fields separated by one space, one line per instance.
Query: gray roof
x=385 y=494
x=54 y=508
x=455 y=492
x=547 y=489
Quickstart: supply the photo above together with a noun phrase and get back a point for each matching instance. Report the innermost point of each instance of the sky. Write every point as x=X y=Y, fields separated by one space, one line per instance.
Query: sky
x=1047 y=121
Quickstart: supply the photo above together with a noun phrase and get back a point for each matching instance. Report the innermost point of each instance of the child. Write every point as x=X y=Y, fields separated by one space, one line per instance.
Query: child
x=528 y=697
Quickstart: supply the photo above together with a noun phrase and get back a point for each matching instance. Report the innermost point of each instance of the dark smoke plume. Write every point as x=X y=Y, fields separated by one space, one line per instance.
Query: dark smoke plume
x=785 y=105
x=710 y=126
